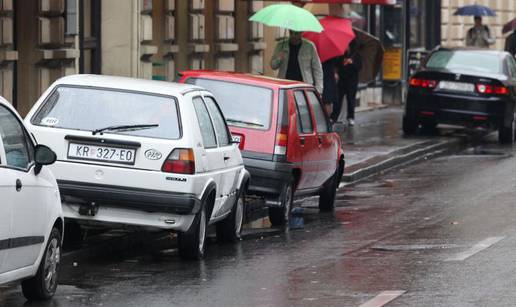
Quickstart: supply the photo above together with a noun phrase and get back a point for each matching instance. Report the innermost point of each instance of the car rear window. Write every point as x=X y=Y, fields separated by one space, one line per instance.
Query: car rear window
x=465 y=60
x=88 y=109
x=242 y=105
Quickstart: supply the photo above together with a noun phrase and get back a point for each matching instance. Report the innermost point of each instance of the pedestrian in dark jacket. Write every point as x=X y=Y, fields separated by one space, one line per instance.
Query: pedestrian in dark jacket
x=330 y=91
x=510 y=44
x=348 y=68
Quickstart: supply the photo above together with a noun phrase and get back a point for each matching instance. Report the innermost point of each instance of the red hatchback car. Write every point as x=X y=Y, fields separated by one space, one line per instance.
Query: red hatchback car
x=286 y=139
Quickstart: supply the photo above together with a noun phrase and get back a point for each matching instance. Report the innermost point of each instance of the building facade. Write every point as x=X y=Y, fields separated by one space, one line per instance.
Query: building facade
x=43 y=40
x=454 y=28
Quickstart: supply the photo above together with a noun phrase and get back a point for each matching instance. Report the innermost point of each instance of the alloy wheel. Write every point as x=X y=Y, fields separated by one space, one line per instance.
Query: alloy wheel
x=239 y=216
x=52 y=259
x=202 y=231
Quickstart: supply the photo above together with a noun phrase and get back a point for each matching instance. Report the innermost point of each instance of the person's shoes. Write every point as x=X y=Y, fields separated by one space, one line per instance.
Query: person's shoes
x=351 y=122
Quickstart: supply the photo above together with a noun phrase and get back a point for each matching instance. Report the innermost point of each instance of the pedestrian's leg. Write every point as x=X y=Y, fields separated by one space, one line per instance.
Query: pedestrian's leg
x=351 y=97
x=337 y=105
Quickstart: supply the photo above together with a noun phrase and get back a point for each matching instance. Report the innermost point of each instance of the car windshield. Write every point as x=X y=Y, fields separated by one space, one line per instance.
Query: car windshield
x=465 y=60
x=243 y=105
x=91 y=109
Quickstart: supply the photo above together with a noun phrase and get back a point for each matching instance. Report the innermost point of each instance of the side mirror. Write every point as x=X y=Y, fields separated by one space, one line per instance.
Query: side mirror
x=338 y=127
x=43 y=156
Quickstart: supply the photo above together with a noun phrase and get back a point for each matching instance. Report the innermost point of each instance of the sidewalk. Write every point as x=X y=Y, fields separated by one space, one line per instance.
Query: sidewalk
x=376 y=143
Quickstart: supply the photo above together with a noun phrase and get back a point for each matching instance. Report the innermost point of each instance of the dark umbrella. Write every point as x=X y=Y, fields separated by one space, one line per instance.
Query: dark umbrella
x=474 y=10
x=371 y=51
x=510 y=26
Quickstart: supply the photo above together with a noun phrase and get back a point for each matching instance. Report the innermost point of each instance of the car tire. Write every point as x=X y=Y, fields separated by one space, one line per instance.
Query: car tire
x=506 y=134
x=409 y=125
x=280 y=216
x=329 y=192
x=44 y=284
x=229 y=230
x=192 y=243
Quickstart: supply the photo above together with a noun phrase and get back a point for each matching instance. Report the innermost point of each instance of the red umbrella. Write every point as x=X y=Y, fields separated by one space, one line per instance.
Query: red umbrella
x=334 y=39
x=510 y=26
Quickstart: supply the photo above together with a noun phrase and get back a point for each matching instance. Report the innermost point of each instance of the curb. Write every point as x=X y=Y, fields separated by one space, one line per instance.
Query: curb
x=399 y=157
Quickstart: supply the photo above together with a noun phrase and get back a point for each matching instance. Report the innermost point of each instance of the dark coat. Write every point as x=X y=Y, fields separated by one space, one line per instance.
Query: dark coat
x=330 y=84
x=510 y=43
x=348 y=74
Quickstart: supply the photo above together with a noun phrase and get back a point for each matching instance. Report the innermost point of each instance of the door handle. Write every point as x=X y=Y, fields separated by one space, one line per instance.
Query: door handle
x=320 y=140
x=302 y=141
x=226 y=158
x=18 y=185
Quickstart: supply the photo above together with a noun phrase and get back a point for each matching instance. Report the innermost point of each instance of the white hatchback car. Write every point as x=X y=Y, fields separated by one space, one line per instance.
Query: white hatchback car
x=31 y=219
x=145 y=153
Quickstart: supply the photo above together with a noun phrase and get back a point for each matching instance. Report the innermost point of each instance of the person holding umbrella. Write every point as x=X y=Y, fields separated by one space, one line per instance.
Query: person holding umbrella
x=479 y=35
x=349 y=67
x=297 y=59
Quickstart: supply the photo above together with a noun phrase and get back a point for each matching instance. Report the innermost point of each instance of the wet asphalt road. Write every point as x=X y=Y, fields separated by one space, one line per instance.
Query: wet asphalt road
x=439 y=233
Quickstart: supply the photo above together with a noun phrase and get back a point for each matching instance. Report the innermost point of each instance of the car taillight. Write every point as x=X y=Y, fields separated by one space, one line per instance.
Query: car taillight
x=180 y=161
x=280 y=147
x=424 y=83
x=492 y=89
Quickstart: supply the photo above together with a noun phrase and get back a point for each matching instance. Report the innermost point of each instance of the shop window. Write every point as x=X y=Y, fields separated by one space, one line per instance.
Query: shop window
x=392 y=20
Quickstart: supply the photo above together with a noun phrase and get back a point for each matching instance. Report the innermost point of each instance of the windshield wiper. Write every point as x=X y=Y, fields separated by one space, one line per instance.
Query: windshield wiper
x=236 y=121
x=125 y=128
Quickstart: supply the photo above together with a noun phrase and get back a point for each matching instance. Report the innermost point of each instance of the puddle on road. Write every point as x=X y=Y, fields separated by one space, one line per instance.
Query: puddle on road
x=483 y=151
x=413 y=247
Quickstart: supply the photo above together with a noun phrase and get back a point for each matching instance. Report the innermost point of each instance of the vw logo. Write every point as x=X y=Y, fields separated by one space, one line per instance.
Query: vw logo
x=153 y=154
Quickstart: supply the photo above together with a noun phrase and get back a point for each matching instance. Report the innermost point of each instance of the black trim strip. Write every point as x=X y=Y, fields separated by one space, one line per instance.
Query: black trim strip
x=256 y=155
x=103 y=141
x=21 y=242
x=128 y=197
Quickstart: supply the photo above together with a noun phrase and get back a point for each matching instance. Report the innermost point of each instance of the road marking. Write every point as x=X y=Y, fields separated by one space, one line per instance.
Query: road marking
x=383 y=298
x=480 y=246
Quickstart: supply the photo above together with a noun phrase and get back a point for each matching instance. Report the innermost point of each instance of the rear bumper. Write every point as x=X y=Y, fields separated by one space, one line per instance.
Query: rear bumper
x=268 y=177
x=150 y=201
x=491 y=112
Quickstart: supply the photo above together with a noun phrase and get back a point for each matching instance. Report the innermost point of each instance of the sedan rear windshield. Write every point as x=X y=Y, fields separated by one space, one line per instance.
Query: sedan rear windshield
x=465 y=60
x=243 y=105
x=90 y=109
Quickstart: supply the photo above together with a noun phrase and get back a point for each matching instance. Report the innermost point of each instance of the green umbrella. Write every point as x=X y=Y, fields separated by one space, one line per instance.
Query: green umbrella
x=288 y=16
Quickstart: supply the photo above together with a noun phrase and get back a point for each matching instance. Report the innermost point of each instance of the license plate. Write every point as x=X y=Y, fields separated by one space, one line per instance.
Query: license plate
x=101 y=153
x=456 y=86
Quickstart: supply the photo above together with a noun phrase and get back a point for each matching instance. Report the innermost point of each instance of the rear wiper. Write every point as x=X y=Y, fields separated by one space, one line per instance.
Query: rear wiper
x=236 y=121
x=125 y=128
